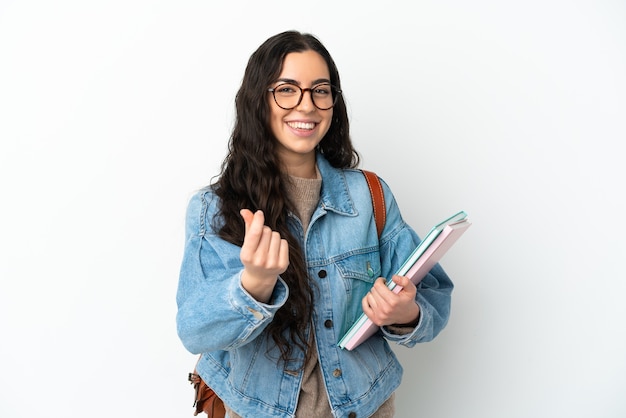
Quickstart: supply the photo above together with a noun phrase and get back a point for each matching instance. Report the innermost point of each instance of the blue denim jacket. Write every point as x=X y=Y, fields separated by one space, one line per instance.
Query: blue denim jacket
x=218 y=318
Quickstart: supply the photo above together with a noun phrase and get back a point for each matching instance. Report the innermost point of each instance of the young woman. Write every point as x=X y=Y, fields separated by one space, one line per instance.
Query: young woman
x=282 y=255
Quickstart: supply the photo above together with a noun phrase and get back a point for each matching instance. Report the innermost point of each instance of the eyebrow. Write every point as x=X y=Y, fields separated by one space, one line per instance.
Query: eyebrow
x=292 y=81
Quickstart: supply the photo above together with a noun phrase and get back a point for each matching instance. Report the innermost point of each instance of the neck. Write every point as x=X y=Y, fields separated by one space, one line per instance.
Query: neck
x=303 y=167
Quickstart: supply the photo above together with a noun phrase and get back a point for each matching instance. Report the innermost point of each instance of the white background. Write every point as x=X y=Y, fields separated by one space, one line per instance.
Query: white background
x=113 y=113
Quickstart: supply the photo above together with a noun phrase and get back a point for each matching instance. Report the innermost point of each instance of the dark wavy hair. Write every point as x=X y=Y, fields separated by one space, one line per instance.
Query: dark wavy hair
x=252 y=176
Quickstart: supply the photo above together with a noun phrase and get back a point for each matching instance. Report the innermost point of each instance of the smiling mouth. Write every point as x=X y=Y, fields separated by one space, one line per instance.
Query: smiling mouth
x=301 y=125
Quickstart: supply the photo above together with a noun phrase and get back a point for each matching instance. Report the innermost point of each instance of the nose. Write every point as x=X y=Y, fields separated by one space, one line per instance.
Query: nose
x=306 y=103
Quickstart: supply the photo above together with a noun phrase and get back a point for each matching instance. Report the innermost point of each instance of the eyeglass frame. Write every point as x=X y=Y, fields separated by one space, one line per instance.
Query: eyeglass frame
x=334 y=89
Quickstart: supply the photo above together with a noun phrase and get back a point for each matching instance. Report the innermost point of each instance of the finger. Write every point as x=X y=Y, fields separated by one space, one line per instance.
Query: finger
x=252 y=237
x=387 y=301
x=402 y=281
x=284 y=254
x=254 y=227
x=247 y=216
x=279 y=253
x=381 y=291
x=408 y=287
x=258 y=220
x=262 y=254
x=274 y=249
x=368 y=309
x=365 y=304
x=371 y=300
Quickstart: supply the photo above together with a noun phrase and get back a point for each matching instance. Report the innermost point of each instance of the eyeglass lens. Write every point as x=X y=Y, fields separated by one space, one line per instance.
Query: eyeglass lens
x=289 y=96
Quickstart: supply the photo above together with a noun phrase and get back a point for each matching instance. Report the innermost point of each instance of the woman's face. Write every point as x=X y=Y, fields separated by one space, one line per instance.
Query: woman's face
x=300 y=129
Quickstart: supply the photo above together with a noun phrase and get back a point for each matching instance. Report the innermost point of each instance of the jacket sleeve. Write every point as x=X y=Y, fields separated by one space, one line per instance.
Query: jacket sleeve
x=214 y=311
x=433 y=292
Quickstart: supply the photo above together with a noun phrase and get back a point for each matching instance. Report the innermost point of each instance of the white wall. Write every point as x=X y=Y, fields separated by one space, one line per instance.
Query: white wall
x=112 y=113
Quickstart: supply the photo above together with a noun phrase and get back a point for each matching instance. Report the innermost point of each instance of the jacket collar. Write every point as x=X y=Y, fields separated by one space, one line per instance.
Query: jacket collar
x=335 y=194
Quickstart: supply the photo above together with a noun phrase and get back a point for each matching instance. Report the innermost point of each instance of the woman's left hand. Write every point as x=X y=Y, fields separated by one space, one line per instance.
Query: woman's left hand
x=383 y=307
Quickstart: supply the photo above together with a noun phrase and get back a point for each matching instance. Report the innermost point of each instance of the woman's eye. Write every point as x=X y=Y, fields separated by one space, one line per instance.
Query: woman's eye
x=321 y=90
x=286 y=89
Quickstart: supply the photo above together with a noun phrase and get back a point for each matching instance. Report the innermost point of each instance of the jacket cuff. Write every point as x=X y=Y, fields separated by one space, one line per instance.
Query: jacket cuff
x=253 y=310
x=405 y=335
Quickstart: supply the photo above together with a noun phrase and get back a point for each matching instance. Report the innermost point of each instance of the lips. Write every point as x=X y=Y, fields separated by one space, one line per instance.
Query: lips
x=302 y=125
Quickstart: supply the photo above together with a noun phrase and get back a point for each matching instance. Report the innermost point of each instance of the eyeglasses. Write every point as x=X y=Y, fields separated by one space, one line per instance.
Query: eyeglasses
x=288 y=96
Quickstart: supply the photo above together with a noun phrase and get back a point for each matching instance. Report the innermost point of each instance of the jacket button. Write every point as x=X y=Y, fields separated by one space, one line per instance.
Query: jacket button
x=328 y=323
x=321 y=274
x=257 y=315
x=337 y=372
x=352 y=415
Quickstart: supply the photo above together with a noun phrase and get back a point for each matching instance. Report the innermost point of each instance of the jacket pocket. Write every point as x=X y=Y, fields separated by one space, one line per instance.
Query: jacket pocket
x=358 y=272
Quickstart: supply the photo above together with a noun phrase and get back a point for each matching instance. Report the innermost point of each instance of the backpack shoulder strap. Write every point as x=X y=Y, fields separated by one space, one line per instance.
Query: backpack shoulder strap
x=378 y=199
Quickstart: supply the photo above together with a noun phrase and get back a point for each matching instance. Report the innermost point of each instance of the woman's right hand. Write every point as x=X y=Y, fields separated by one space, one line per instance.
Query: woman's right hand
x=264 y=254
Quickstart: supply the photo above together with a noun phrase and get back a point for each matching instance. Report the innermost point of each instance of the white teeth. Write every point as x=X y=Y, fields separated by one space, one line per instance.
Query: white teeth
x=301 y=125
